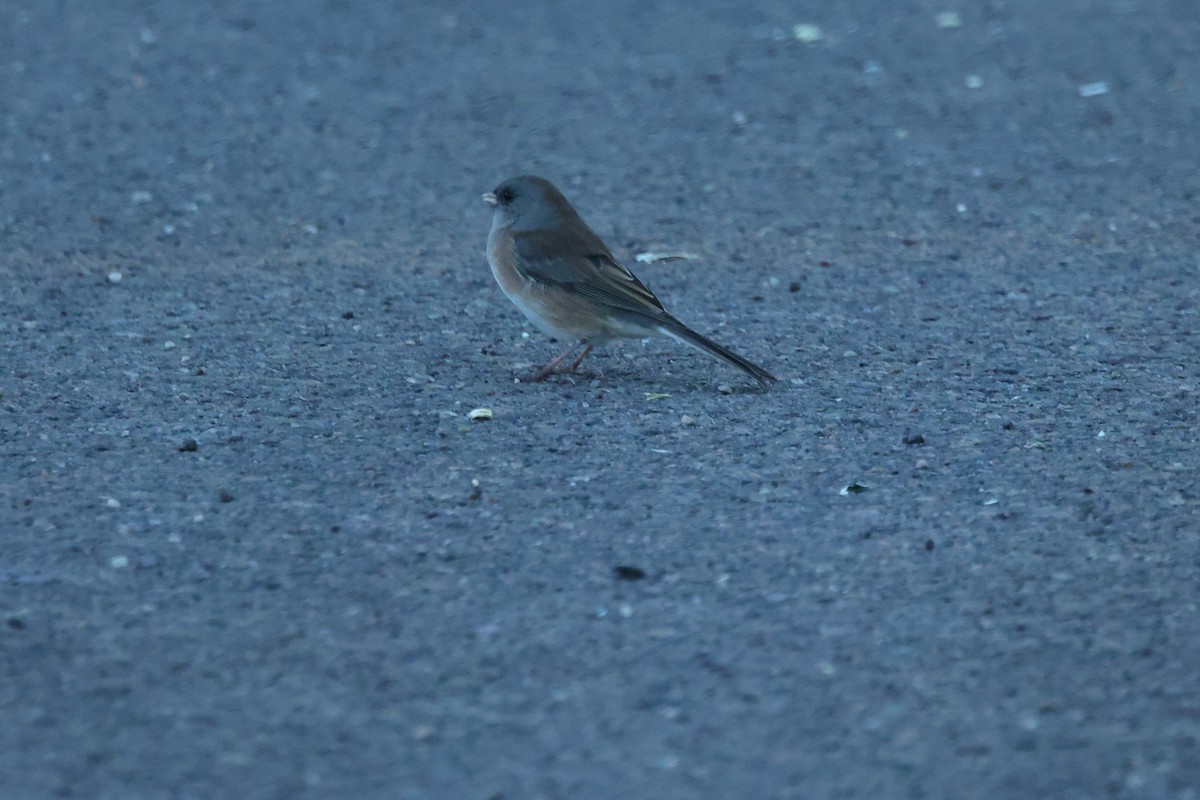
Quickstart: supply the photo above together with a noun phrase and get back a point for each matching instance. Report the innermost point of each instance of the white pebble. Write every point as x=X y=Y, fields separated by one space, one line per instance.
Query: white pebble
x=948 y=19
x=808 y=33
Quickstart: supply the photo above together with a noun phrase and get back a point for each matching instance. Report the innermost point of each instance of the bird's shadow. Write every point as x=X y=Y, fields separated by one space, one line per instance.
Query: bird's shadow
x=648 y=380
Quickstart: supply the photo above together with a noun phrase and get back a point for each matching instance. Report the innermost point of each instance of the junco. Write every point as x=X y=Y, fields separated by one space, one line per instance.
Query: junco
x=556 y=270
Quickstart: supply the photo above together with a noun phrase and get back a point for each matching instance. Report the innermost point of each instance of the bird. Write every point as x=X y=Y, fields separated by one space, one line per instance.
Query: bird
x=555 y=268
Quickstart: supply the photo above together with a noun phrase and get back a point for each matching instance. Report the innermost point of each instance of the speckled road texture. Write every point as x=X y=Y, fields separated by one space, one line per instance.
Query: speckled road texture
x=254 y=547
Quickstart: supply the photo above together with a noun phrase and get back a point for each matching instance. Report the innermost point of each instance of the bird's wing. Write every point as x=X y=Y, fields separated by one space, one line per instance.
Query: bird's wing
x=579 y=262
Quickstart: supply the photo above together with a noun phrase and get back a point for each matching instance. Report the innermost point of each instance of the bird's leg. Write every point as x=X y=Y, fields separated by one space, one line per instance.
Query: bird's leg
x=552 y=366
x=575 y=364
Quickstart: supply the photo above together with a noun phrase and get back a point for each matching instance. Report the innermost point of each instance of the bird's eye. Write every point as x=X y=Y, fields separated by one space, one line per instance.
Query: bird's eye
x=505 y=195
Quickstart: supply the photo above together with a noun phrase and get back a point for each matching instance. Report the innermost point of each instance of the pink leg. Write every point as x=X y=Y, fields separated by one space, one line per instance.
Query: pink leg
x=552 y=366
x=575 y=364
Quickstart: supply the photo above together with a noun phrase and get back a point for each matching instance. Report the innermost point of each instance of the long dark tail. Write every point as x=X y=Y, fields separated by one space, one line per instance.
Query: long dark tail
x=682 y=333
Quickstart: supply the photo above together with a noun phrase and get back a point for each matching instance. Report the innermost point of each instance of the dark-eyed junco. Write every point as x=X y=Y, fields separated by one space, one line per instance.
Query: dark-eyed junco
x=556 y=270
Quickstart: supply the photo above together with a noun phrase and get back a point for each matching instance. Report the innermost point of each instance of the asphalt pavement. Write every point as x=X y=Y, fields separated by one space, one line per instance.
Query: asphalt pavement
x=254 y=543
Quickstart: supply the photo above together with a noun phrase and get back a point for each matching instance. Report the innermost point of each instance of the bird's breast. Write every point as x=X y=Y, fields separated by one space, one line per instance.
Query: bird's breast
x=556 y=311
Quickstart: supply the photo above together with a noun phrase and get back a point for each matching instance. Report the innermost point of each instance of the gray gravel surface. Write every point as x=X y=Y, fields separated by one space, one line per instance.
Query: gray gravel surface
x=254 y=547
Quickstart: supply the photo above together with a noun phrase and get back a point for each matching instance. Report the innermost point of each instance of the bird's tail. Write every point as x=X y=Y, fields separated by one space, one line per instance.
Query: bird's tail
x=682 y=333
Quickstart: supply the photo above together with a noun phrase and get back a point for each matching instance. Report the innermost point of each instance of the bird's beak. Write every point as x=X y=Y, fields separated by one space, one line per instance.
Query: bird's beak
x=489 y=198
